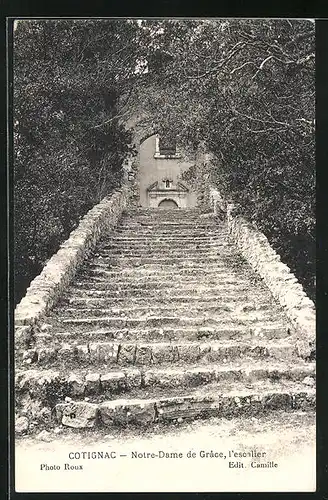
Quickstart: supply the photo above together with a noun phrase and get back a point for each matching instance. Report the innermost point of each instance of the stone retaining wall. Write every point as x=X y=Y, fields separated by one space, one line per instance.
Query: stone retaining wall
x=284 y=286
x=45 y=290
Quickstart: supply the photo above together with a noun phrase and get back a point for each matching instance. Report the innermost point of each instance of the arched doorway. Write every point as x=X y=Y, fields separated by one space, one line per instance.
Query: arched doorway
x=168 y=204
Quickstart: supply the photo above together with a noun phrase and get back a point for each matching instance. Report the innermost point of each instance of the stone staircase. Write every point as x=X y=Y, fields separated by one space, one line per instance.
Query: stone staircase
x=165 y=322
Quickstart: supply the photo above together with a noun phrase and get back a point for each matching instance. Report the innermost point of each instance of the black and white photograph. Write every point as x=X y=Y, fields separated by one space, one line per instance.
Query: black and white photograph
x=164 y=190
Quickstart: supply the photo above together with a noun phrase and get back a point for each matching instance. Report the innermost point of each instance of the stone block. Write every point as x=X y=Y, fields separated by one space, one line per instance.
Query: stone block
x=164 y=378
x=309 y=381
x=143 y=355
x=204 y=351
x=45 y=415
x=36 y=382
x=124 y=412
x=66 y=352
x=224 y=374
x=304 y=401
x=127 y=354
x=173 y=409
x=164 y=353
x=23 y=336
x=44 y=436
x=277 y=401
x=46 y=355
x=80 y=415
x=252 y=375
x=189 y=352
x=199 y=376
x=76 y=385
x=59 y=411
x=82 y=353
x=103 y=352
x=113 y=382
x=21 y=425
x=133 y=378
x=30 y=356
x=92 y=383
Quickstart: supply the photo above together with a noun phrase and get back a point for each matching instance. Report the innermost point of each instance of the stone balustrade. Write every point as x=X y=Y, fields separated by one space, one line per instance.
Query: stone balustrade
x=46 y=289
x=284 y=286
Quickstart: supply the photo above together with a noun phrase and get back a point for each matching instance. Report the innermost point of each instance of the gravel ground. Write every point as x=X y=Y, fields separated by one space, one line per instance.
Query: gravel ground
x=285 y=439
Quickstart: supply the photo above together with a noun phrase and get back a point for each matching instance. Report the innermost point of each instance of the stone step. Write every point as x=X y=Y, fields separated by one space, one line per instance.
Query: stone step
x=208 y=223
x=217 y=274
x=214 y=312
x=141 y=285
x=223 y=332
x=182 y=260
x=167 y=313
x=178 y=240
x=183 y=275
x=170 y=217
x=159 y=252
x=169 y=233
x=166 y=233
x=151 y=262
x=164 y=316
x=42 y=383
x=113 y=246
x=176 y=301
x=174 y=290
x=95 y=353
x=196 y=404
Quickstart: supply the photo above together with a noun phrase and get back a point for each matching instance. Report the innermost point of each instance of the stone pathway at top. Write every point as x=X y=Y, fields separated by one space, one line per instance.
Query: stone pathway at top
x=165 y=322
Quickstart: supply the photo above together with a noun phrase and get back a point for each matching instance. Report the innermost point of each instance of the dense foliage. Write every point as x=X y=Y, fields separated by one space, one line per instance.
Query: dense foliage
x=245 y=89
x=242 y=88
x=69 y=144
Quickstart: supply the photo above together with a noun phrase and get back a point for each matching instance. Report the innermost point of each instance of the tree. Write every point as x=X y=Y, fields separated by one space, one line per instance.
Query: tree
x=69 y=142
x=245 y=89
x=242 y=88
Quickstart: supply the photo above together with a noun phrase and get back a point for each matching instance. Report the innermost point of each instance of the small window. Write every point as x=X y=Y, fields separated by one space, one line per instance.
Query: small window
x=168 y=183
x=167 y=147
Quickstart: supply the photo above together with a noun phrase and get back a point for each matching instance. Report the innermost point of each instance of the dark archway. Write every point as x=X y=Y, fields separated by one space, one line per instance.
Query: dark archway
x=167 y=203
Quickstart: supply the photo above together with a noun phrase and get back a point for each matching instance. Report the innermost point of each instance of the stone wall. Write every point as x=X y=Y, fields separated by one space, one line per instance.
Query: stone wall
x=46 y=289
x=284 y=286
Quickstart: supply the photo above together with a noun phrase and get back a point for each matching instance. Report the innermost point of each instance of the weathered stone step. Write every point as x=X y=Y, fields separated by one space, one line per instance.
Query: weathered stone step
x=164 y=224
x=182 y=260
x=198 y=403
x=116 y=353
x=106 y=264
x=136 y=285
x=224 y=331
x=220 y=238
x=159 y=252
x=108 y=382
x=174 y=290
x=158 y=247
x=169 y=320
x=186 y=233
x=166 y=272
x=214 y=312
x=154 y=212
x=165 y=241
x=168 y=217
x=237 y=305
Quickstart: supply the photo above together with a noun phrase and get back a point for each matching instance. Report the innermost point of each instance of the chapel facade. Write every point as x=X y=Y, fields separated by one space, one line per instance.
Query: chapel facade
x=161 y=168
